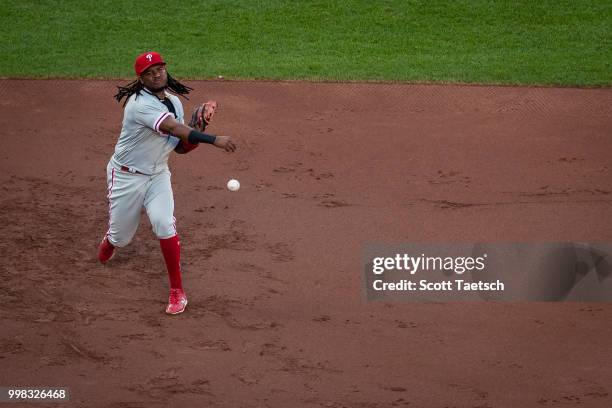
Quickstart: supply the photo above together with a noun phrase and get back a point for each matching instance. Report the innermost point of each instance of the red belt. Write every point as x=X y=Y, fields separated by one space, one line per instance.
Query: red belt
x=126 y=168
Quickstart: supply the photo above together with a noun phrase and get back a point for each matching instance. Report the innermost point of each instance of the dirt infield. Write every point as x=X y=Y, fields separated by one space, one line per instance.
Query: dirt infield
x=276 y=316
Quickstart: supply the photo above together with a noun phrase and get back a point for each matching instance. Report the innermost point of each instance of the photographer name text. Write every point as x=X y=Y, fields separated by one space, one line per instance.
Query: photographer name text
x=442 y=286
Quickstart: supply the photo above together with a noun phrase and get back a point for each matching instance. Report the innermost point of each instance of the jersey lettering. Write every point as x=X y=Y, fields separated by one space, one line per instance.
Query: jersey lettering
x=140 y=145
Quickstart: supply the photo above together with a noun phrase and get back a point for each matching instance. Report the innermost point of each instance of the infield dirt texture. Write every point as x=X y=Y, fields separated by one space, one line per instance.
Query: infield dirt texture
x=273 y=273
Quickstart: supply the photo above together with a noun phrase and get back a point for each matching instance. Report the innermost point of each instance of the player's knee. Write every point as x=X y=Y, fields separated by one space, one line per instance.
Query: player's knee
x=118 y=241
x=163 y=227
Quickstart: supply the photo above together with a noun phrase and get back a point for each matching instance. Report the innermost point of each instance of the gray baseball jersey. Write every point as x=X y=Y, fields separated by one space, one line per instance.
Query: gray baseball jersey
x=142 y=146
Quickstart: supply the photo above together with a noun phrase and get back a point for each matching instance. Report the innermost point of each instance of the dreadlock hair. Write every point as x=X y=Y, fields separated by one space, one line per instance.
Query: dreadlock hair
x=136 y=86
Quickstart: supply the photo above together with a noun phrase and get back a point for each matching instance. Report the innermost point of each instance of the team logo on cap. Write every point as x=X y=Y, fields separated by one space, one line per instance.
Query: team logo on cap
x=149 y=57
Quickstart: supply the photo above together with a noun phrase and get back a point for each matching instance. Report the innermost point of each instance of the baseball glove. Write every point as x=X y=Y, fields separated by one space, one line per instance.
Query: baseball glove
x=202 y=115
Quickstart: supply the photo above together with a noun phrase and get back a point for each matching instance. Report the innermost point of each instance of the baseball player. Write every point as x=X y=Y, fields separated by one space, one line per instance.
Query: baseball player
x=138 y=174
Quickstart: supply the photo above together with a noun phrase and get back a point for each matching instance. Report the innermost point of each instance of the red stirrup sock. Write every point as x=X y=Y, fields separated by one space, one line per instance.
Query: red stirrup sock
x=172 y=255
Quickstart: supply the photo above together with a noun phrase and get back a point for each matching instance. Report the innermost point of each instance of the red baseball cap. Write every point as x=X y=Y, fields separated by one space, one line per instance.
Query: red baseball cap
x=146 y=60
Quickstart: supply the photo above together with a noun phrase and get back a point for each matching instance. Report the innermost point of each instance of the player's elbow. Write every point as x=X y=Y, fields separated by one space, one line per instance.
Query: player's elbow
x=181 y=131
x=170 y=128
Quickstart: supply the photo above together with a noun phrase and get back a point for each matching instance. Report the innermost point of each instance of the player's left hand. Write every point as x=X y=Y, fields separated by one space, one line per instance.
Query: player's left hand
x=202 y=115
x=209 y=109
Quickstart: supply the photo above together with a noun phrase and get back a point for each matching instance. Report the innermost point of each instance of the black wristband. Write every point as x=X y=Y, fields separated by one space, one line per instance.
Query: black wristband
x=196 y=137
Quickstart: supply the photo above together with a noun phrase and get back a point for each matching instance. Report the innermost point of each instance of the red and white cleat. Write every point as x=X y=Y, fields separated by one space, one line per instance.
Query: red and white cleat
x=106 y=251
x=177 y=301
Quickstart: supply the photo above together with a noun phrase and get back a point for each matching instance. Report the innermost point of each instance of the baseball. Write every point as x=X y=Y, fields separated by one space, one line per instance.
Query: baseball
x=233 y=185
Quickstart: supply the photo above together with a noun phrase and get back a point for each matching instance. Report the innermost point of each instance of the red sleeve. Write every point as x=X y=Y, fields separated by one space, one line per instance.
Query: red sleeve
x=185 y=146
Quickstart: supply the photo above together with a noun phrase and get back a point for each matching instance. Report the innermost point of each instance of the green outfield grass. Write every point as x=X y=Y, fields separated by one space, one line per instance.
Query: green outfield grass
x=496 y=42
